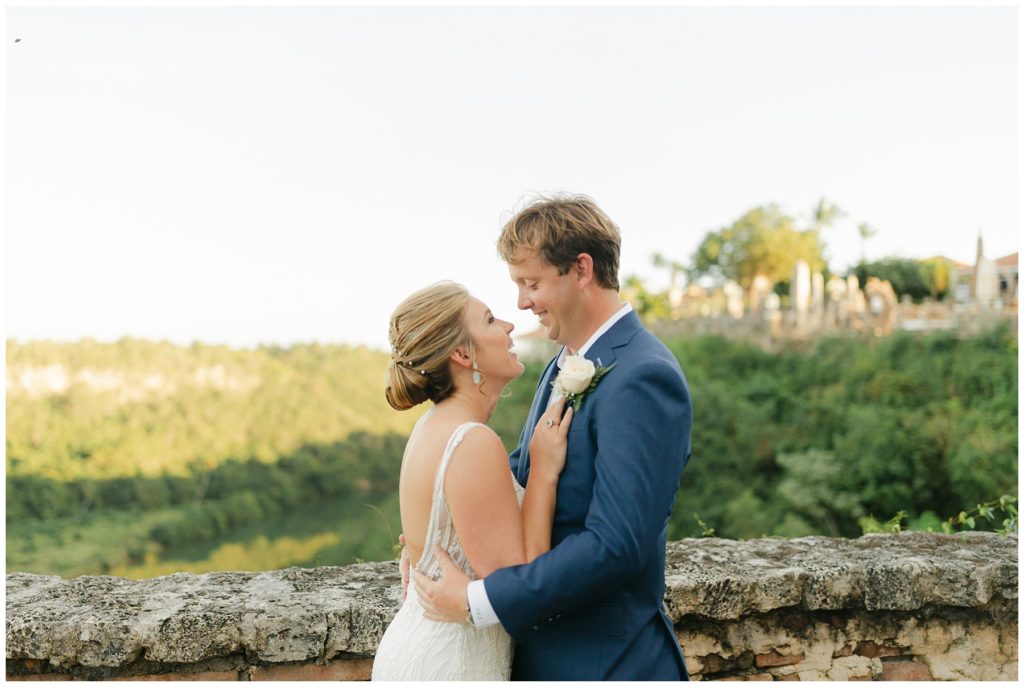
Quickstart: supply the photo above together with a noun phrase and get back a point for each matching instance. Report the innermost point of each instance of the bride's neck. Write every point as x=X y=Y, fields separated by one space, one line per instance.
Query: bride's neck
x=478 y=405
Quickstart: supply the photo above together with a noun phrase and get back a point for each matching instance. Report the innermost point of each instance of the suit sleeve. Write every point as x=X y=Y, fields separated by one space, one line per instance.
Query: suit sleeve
x=643 y=443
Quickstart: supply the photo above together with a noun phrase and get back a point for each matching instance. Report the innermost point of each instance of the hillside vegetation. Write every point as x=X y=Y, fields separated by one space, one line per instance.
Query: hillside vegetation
x=120 y=453
x=92 y=410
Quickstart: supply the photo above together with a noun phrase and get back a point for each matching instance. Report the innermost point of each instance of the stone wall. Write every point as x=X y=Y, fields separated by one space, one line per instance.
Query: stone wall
x=905 y=606
x=912 y=606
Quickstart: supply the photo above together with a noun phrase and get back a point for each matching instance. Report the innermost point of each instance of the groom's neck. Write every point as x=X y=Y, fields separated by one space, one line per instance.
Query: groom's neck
x=596 y=312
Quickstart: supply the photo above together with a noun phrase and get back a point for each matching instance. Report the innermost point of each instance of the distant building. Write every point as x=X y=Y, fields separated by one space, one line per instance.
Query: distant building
x=1006 y=268
x=964 y=278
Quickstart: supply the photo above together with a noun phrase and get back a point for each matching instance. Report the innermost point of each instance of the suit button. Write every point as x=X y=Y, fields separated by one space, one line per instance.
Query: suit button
x=536 y=627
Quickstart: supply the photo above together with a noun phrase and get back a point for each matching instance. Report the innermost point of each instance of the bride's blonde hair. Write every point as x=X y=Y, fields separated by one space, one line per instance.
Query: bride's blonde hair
x=424 y=330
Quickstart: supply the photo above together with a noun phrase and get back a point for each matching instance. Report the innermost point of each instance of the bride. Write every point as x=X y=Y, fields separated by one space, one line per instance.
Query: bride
x=456 y=491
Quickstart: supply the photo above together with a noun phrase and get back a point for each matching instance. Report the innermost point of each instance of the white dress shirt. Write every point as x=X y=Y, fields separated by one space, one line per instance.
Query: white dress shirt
x=479 y=605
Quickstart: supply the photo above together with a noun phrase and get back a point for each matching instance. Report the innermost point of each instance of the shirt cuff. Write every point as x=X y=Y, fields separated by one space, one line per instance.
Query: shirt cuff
x=480 y=606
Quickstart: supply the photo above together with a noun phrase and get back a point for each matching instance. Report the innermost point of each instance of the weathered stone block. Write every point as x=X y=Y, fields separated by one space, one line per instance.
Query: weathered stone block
x=43 y=677
x=870 y=649
x=811 y=676
x=846 y=650
x=34 y=665
x=905 y=669
x=725 y=579
x=774 y=658
x=854 y=668
x=336 y=670
x=205 y=676
x=758 y=677
x=811 y=608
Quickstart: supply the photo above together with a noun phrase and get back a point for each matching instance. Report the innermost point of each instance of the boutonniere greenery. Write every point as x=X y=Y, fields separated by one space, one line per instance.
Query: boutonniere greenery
x=577 y=378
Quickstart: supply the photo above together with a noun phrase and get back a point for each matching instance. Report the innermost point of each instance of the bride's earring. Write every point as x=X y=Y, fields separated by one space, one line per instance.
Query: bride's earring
x=476 y=369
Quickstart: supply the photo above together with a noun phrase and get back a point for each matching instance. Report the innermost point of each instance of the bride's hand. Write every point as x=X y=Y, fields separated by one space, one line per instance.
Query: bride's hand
x=549 y=442
x=443 y=599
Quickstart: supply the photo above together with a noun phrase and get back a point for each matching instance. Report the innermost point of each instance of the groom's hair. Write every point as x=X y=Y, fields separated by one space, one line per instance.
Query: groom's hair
x=561 y=227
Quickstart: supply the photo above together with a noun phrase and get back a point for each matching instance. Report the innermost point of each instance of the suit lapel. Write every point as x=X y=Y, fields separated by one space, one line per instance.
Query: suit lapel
x=602 y=353
x=540 y=404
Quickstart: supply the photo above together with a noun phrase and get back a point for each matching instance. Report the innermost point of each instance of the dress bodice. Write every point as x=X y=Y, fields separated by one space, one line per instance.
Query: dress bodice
x=415 y=648
x=440 y=530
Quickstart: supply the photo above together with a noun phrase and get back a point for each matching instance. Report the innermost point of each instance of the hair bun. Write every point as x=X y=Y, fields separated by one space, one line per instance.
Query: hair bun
x=424 y=330
x=404 y=387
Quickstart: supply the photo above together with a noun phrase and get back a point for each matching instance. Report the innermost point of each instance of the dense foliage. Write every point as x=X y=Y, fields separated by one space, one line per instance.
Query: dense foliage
x=92 y=410
x=190 y=443
x=915 y=278
x=137 y=457
x=808 y=442
x=764 y=241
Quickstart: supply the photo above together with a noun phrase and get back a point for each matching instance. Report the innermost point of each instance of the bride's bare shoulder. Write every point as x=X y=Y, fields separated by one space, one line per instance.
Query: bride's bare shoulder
x=483 y=437
x=431 y=435
x=478 y=457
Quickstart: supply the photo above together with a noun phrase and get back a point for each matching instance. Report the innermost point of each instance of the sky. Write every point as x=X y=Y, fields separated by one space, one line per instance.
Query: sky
x=247 y=175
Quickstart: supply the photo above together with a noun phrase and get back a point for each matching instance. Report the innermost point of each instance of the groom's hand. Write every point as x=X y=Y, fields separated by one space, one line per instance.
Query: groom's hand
x=444 y=599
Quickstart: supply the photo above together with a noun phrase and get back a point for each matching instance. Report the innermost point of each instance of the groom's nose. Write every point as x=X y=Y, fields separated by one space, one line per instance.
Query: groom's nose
x=524 y=302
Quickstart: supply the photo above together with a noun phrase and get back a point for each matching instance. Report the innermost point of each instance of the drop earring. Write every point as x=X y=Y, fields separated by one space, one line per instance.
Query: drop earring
x=476 y=369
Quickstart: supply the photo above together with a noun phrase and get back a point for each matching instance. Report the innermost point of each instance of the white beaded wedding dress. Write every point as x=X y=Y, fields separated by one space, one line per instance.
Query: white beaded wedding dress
x=414 y=648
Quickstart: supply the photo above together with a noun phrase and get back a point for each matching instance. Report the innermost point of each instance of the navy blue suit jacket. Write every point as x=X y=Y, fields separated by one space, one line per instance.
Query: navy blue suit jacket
x=592 y=607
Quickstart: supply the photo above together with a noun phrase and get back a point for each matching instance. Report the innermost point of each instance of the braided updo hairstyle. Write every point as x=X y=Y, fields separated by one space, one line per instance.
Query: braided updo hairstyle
x=425 y=328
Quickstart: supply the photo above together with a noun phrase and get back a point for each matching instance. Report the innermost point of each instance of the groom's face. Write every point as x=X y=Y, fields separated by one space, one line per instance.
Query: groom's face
x=551 y=296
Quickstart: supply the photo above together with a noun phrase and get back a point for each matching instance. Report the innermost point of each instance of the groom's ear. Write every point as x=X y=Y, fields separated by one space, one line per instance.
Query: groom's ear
x=583 y=268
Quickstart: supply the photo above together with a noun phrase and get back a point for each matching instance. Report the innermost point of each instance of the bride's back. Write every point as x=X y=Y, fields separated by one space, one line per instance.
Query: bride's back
x=448 y=348
x=413 y=647
x=422 y=457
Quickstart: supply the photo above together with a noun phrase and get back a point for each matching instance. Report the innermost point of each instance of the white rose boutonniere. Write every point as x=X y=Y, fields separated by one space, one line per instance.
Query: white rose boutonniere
x=577 y=378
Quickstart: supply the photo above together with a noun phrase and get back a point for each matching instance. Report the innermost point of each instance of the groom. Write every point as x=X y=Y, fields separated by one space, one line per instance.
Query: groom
x=592 y=607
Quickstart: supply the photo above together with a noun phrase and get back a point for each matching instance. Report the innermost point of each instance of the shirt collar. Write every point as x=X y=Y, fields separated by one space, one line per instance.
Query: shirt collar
x=616 y=316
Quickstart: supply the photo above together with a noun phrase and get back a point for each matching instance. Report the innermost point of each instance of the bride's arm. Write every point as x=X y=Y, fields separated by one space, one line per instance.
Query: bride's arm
x=547 y=458
x=493 y=530
x=482 y=501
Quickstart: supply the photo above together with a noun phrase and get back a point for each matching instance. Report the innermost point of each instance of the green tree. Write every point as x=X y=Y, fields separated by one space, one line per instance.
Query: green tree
x=813 y=439
x=906 y=276
x=764 y=241
x=939 y=270
x=649 y=305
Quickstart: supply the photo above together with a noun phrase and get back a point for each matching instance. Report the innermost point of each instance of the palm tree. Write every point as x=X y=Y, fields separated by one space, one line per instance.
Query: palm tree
x=866 y=231
x=825 y=214
x=674 y=268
